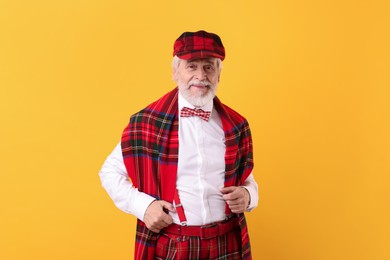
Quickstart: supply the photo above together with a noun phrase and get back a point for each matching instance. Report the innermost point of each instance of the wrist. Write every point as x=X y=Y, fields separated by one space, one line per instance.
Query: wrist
x=247 y=196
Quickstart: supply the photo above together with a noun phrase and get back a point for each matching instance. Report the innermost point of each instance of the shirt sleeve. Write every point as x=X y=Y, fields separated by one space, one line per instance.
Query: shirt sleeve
x=116 y=182
x=252 y=187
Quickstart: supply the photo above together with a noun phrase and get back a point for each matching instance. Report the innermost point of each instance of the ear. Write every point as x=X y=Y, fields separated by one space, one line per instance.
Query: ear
x=174 y=75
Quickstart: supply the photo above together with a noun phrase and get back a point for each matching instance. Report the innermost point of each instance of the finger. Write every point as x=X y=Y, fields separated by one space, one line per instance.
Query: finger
x=235 y=194
x=232 y=202
x=158 y=225
x=167 y=205
x=155 y=229
x=235 y=203
x=166 y=219
x=237 y=208
x=226 y=190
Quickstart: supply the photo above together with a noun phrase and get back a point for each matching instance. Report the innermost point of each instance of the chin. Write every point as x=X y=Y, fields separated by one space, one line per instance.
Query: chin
x=199 y=98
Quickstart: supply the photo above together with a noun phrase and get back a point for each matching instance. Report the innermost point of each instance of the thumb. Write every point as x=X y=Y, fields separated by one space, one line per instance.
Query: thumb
x=167 y=205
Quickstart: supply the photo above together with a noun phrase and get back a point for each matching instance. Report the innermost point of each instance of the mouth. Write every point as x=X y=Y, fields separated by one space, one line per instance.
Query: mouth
x=200 y=86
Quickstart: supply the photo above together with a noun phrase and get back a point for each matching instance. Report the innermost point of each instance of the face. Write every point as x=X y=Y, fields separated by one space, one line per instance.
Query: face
x=197 y=80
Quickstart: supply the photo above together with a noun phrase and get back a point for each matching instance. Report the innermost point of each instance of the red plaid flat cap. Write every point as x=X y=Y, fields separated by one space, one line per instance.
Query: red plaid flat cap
x=200 y=44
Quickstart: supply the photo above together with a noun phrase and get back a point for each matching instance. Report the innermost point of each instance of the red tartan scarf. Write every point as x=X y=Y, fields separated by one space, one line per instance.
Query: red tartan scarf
x=150 y=152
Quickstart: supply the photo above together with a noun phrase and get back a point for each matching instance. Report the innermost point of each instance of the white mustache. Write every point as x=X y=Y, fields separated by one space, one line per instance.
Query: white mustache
x=200 y=82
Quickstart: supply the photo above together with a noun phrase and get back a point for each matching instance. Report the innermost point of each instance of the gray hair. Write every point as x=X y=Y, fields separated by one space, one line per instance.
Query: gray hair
x=176 y=61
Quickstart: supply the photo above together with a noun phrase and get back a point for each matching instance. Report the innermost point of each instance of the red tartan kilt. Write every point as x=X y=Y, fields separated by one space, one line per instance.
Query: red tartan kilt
x=227 y=246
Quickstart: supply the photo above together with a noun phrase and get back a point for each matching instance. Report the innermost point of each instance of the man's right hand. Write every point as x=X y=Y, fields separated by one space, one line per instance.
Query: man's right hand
x=155 y=217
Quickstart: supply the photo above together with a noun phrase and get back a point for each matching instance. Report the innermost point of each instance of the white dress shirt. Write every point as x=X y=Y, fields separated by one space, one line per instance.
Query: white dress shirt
x=200 y=176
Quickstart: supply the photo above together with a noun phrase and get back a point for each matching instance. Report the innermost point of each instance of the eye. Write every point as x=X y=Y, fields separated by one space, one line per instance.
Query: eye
x=209 y=68
x=191 y=67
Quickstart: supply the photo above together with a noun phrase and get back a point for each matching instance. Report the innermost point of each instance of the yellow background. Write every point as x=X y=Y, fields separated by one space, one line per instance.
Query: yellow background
x=312 y=77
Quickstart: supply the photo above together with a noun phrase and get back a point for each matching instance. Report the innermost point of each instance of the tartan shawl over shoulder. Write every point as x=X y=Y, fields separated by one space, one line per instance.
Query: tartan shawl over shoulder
x=150 y=153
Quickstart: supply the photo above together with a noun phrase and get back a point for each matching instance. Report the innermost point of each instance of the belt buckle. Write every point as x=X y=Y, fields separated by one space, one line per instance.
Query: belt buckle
x=204 y=234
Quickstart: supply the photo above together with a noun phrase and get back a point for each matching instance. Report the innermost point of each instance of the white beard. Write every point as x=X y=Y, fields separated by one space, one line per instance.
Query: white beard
x=201 y=99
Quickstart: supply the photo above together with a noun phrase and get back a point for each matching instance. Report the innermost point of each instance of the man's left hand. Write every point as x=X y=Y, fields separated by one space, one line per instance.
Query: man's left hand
x=237 y=198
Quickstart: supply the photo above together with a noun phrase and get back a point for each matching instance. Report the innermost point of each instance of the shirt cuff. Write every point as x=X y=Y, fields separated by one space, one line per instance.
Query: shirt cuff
x=141 y=204
x=253 y=198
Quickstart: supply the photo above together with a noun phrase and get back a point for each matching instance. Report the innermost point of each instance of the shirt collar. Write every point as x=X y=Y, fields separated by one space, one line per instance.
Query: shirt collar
x=184 y=103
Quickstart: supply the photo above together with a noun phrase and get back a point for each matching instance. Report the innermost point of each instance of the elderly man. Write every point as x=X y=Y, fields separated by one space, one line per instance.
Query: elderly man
x=184 y=164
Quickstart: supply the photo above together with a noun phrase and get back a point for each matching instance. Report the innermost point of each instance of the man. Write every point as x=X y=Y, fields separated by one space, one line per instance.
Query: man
x=184 y=164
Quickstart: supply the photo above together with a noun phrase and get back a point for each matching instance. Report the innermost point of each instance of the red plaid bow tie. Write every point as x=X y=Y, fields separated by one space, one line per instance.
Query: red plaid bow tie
x=187 y=112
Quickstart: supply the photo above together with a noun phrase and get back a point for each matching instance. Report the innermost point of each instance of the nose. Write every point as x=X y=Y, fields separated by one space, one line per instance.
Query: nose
x=201 y=74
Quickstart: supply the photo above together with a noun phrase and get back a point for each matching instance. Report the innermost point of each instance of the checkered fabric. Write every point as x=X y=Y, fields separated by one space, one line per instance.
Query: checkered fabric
x=188 y=112
x=227 y=246
x=200 y=44
x=150 y=152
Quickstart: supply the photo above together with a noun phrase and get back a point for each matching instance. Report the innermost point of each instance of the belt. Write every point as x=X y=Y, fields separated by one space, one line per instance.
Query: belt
x=204 y=232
